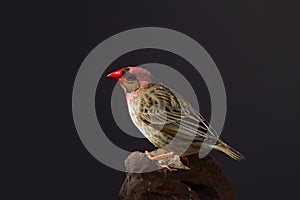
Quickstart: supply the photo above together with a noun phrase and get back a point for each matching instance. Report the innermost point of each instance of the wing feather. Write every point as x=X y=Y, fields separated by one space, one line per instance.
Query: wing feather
x=167 y=111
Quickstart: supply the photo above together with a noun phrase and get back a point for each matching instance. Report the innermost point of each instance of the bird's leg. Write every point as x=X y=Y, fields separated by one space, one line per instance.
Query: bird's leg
x=159 y=157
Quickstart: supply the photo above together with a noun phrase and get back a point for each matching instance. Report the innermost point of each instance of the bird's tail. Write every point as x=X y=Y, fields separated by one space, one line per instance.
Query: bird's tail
x=223 y=147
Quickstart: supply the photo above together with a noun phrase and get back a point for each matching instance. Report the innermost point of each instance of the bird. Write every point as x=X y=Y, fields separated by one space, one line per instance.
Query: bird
x=165 y=118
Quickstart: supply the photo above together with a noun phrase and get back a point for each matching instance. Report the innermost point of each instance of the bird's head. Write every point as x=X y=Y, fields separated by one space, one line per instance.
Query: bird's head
x=132 y=78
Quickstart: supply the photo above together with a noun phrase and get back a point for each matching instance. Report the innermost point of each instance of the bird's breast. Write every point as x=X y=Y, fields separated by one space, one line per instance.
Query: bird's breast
x=134 y=112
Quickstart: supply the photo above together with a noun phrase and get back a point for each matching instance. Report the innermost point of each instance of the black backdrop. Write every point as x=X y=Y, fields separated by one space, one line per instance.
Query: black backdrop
x=255 y=44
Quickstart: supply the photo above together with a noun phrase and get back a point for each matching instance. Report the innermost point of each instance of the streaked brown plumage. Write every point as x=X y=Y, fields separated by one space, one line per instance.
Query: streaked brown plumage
x=165 y=118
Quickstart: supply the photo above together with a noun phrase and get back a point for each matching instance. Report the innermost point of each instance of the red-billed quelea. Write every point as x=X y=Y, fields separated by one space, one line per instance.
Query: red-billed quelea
x=165 y=118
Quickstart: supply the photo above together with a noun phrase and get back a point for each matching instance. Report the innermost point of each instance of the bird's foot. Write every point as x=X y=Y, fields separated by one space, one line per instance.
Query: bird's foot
x=159 y=159
x=165 y=167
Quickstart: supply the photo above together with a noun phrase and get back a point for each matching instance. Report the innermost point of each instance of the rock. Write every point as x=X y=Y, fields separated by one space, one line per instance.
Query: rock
x=204 y=180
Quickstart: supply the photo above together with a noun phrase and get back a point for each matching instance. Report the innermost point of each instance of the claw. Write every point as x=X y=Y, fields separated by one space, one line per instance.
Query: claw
x=167 y=167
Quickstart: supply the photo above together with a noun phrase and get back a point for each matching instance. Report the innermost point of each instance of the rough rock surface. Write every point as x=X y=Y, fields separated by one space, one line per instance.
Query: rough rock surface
x=204 y=180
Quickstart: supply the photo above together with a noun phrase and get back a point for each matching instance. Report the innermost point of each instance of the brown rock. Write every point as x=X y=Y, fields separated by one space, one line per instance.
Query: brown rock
x=204 y=180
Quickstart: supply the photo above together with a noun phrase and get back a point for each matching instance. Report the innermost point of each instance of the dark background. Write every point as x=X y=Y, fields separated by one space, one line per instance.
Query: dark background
x=255 y=45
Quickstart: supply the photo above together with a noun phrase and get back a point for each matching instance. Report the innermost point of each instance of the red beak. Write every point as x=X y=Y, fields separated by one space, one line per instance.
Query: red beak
x=116 y=74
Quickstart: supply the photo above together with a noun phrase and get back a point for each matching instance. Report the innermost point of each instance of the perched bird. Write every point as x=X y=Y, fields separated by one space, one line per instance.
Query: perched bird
x=165 y=118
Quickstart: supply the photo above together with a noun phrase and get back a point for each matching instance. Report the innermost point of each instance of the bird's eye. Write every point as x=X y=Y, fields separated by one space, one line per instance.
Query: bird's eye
x=126 y=69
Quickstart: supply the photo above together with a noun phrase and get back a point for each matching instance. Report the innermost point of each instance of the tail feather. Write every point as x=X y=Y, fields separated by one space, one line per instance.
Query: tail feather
x=229 y=151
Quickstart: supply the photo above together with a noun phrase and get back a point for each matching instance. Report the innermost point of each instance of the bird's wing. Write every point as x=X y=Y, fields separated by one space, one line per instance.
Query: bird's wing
x=166 y=110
